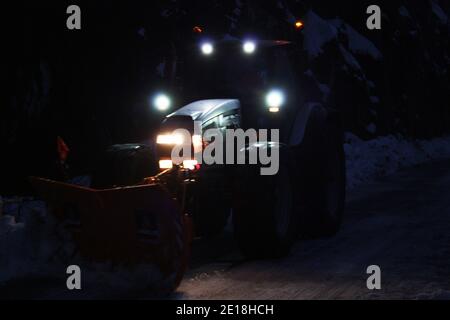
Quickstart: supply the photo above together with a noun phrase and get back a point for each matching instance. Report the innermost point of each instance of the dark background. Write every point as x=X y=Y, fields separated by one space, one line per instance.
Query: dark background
x=92 y=86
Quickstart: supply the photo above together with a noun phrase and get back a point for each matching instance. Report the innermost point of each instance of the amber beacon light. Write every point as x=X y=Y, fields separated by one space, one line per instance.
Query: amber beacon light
x=298 y=24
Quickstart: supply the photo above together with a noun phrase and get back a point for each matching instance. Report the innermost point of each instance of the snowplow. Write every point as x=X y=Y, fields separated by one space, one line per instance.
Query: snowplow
x=141 y=224
x=144 y=206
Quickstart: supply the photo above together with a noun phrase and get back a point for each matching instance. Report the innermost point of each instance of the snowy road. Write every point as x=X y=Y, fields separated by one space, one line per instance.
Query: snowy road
x=400 y=223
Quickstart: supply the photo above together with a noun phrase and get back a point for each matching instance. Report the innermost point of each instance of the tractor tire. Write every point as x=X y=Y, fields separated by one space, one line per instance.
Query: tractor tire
x=321 y=175
x=264 y=220
x=124 y=165
x=174 y=251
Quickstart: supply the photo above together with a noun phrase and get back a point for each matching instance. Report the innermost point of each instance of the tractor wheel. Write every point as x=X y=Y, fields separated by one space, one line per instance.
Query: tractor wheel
x=124 y=165
x=265 y=224
x=321 y=175
x=174 y=248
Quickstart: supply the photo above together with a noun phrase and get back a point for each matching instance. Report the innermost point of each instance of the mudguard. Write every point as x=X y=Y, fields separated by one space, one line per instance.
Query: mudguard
x=300 y=123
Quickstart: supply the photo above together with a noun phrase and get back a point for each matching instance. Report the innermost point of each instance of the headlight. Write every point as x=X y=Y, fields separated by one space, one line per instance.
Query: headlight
x=178 y=139
x=187 y=164
x=162 y=102
x=249 y=47
x=207 y=48
x=274 y=100
x=165 y=164
x=169 y=139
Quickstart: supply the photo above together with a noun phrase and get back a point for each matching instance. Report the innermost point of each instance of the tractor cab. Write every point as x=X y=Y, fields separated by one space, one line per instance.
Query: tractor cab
x=230 y=84
x=261 y=74
x=257 y=73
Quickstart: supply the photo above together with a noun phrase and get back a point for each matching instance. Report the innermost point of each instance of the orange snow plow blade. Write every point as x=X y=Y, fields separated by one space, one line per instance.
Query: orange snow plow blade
x=129 y=225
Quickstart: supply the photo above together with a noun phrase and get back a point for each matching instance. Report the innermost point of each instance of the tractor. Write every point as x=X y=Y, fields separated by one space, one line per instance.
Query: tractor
x=143 y=206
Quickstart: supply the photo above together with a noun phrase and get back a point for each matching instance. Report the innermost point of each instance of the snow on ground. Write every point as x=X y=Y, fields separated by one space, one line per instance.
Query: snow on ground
x=33 y=245
x=28 y=245
x=367 y=160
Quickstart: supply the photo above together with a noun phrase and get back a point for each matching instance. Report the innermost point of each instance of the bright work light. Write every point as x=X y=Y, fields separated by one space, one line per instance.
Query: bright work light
x=162 y=102
x=249 y=47
x=207 y=48
x=274 y=99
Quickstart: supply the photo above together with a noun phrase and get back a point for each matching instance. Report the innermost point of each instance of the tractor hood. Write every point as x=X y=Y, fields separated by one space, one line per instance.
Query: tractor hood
x=204 y=110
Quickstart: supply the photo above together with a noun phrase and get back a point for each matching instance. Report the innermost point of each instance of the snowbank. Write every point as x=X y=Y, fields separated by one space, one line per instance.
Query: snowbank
x=29 y=241
x=32 y=244
x=385 y=155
